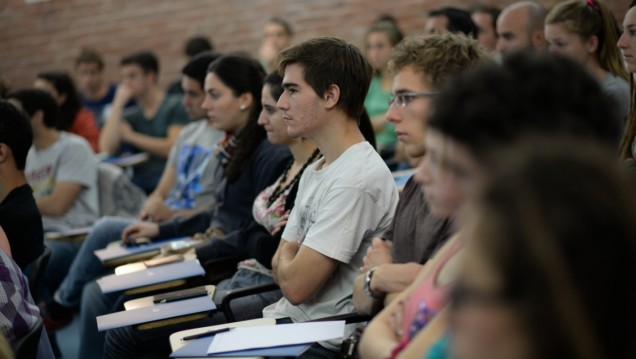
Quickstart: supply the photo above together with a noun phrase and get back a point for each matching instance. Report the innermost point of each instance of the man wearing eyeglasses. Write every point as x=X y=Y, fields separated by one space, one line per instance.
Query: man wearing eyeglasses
x=421 y=67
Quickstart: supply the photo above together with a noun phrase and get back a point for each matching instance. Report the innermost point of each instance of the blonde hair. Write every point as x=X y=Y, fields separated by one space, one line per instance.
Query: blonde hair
x=438 y=58
x=589 y=18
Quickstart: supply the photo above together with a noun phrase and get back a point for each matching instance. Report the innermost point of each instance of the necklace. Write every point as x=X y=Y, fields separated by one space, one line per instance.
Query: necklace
x=280 y=189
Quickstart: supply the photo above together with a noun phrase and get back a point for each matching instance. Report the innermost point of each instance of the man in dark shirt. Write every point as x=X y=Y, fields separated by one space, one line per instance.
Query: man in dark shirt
x=393 y=261
x=19 y=215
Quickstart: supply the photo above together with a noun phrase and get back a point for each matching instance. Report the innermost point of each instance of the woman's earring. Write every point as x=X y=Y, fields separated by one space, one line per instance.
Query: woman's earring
x=243 y=107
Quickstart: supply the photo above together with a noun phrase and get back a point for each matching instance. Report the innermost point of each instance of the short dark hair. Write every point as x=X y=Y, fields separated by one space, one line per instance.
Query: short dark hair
x=289 y=30
x=34 y=100
x=458 y=20
x=494 y=12
x=197 y=45
x=275 y=82
x=15 y=132
x=197 y=67
x=64 y=85
x=90 y=56
x=147 y=60
x=331 y=61
x=529 y=93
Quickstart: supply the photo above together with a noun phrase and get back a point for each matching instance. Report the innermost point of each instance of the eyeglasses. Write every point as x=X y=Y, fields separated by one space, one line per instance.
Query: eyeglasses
x=402 y=99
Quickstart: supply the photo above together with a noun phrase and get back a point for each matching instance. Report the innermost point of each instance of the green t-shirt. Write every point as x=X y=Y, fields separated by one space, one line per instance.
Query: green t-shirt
x=376 y=103
x=171 y=112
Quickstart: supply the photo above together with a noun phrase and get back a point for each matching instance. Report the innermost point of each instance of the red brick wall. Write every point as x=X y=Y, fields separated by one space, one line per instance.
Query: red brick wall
x=47 y=36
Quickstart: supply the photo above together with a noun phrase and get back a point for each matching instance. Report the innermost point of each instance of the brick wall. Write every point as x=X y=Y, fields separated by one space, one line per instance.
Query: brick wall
x=48 y=35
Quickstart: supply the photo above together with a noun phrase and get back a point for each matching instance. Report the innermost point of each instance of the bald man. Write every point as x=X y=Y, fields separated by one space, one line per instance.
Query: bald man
x=520 y=27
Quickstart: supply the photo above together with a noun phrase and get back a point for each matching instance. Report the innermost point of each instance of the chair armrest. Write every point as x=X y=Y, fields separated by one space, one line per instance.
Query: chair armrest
x=240 y=293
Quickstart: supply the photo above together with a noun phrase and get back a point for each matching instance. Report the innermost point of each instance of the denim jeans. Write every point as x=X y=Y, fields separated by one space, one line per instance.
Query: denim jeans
x=127 y=342
x=85 y=266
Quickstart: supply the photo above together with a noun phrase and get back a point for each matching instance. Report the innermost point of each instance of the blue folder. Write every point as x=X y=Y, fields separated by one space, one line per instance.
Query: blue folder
x=198 y=348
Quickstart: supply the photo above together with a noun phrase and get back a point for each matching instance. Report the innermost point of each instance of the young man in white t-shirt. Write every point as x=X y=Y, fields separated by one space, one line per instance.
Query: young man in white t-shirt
x=60 y=166
x=344 y=199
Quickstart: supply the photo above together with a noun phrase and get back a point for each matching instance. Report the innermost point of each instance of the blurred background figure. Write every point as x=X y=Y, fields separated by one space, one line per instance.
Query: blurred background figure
x=550 y=259
x=380 y=40
x=95 y=92
x=485 y=18
x=520 y=27
x=277 y=35
x=450 y=19
x=73 y=117
x=194 y=46
x=586 y=32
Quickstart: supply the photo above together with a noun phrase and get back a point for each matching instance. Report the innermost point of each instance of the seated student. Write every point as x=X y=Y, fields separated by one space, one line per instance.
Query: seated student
x=587 y=32
x=485 y=18
x=450 y=19
x=187 y=186
x=380 y=40
x=256 y=241
x=194 y=46
x=18 y=313
x=95 y=92
x=233 y=88
x=19 y=214
x=457 y=141
x=520 y=27
x=533 y=256
x=421 y=67
x=73 y=117
x=277 y=35
x=60 y=167
x=344 y=199
x=151 y=126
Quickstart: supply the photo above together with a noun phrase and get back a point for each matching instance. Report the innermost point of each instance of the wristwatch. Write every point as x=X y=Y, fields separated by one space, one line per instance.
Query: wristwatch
x=367 y=285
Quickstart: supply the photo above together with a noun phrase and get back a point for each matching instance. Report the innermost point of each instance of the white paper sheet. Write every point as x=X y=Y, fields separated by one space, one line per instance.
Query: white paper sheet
x=154 y=275
x=275 y=336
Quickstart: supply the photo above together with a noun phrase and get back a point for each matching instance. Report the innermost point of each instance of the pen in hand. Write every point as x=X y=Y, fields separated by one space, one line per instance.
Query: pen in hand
x=206 y=334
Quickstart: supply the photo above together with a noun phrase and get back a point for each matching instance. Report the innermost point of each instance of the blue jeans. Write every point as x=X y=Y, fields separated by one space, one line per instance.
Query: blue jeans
x=94 y=304
x=127 y=342
x=86 y=266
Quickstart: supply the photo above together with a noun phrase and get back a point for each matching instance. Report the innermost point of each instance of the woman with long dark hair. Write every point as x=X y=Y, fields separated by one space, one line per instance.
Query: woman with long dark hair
x=74 y=118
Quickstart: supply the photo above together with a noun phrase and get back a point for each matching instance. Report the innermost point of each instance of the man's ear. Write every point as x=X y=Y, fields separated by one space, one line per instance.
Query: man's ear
x=5 y=153
x=38 y=118
x=331 y=96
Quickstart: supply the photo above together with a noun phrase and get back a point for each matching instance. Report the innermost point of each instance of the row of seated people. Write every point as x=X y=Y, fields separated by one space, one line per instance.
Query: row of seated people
x=289 y=264
x=297 y=295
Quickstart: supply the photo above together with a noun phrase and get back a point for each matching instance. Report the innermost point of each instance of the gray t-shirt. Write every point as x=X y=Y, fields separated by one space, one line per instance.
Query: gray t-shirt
x=69 y=159
x=618 y=90
x=338 y=210
x=198 y=170
x=171 y=112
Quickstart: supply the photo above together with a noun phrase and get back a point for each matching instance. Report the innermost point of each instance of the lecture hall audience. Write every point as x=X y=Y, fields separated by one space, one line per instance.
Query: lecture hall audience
x=502 y=228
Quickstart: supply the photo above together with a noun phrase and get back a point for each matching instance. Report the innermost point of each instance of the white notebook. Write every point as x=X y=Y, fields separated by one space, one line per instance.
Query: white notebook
x=155 y=312
x=153 y=275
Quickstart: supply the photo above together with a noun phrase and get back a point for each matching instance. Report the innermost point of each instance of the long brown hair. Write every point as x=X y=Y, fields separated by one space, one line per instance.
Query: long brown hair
x=557 y=222
x=592 y=18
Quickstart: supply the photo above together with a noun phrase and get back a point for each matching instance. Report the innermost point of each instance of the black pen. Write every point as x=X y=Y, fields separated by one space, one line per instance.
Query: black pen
x=206 y=334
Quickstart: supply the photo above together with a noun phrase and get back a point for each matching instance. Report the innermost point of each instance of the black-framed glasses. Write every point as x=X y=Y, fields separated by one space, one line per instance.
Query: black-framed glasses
x=402 y=99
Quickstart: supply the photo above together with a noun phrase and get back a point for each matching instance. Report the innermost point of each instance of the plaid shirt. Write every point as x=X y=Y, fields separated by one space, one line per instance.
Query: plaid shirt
x=18 y=313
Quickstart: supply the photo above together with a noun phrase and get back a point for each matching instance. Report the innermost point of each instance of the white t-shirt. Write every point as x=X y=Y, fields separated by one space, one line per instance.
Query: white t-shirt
x=197 y=169
x=69 y=159
x=338 y=210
